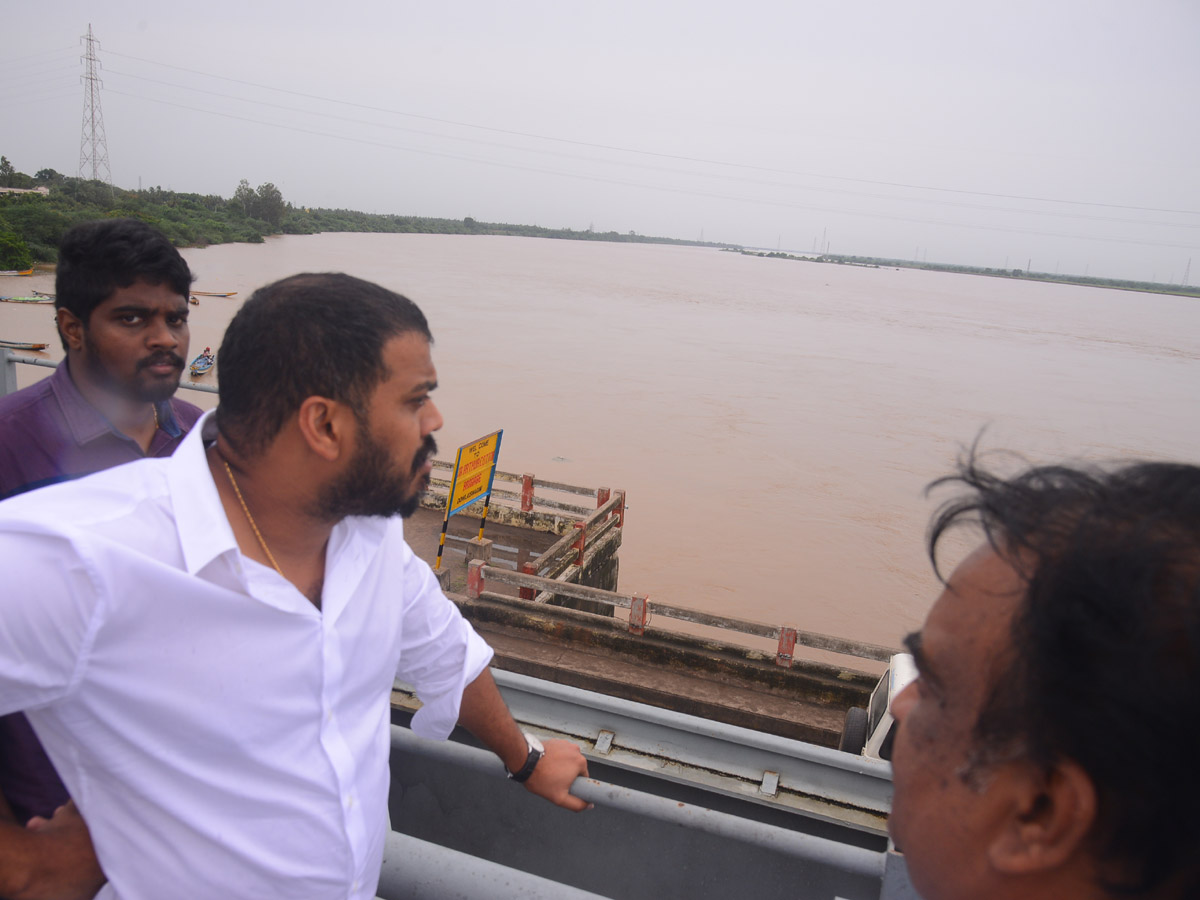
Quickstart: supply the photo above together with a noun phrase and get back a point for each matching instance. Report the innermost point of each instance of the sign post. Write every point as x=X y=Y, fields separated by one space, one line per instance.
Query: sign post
x=474 y=471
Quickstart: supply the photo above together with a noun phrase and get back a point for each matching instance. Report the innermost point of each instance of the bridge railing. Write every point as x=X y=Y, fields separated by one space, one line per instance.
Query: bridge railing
x=13 y=358
x=535 y=588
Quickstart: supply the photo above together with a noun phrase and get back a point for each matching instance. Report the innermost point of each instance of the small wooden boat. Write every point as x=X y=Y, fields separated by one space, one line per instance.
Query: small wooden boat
x=194 y=301
x=42 y=294
x=214 y=293
x=17 y=272
x=26 y=299
x=22 y=345
x=202 y=363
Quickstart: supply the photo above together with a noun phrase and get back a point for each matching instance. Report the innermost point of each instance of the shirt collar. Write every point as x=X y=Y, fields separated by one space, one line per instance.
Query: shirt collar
x=204 y=531
x=86 y=422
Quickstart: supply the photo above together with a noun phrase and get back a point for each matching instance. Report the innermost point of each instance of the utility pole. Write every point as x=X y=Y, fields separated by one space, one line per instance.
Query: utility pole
x=93 y=147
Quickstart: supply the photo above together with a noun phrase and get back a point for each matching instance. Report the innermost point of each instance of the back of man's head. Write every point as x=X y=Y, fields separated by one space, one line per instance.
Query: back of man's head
x=308 y=335
x=96 y=258
x=1104 y=668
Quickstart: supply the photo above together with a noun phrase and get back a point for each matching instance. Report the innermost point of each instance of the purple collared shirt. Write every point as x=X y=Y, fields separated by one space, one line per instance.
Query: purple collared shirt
x=50 y=433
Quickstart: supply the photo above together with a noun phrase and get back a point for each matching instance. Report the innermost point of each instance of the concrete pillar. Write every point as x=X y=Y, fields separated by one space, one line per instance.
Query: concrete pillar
x=639 y=614
x=479 y=548
x=787 y=647
x=474 y=578
x=580 y=542
x=529 y=568
x=443 y=578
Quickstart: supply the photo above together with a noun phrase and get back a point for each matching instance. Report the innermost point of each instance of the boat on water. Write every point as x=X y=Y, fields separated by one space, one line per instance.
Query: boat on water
x=22 y=345
x=27 y=299
x=42 y=294
x=203 y=363
x=195 y=301
x=214 y=293
x=17 y=272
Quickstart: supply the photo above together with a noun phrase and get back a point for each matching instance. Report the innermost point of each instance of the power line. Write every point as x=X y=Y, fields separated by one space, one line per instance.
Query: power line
x=643 y=186
x=644 y=166
x=676 y=157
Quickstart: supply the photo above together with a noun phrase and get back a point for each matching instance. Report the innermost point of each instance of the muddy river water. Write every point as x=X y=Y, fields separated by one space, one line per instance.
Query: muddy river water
x=774 y=422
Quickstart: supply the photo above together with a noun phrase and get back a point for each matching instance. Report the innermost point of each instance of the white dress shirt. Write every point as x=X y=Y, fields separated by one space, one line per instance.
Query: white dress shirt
x=222 y=736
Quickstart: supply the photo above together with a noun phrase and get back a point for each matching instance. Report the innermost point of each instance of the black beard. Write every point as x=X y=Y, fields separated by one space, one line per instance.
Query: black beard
x=370 y=485
x=154 y=392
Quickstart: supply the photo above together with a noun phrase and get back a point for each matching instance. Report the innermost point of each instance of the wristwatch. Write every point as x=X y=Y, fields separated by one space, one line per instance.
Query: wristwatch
x=535 y=753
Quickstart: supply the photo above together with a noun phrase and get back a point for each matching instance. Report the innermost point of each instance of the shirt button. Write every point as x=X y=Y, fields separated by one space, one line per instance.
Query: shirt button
x=349 y=801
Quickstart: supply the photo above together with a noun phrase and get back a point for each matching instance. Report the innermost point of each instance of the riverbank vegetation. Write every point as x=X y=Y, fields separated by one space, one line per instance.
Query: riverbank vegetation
x=876 y=262
x=44 y=206
x=41 y=208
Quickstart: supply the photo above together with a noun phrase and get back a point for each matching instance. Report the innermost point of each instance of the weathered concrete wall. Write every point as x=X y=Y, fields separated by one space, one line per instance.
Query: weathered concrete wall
x=601 y=566
x=601 y=570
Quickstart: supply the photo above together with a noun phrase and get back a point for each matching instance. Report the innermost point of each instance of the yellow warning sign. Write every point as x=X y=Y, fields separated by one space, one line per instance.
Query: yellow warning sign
x=474 y=469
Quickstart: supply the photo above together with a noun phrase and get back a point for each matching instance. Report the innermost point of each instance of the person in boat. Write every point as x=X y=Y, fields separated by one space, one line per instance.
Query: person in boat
x=229 y=621
x=1047 y=748
x=203 y=361
x=121 y=309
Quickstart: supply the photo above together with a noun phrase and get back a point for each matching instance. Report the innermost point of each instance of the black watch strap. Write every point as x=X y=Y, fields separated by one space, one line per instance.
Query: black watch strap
x=535 y=753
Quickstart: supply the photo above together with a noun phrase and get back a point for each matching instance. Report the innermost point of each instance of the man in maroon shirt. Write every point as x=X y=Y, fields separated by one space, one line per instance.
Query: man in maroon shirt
x=121 y=308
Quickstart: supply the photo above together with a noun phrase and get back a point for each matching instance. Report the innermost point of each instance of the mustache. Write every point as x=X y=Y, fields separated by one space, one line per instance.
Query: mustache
x=428 y=449
x=154 y=359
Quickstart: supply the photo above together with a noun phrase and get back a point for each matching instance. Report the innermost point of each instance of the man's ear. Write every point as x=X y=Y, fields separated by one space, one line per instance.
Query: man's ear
x=71 y=327
x=1050 y=817
x=328 y=427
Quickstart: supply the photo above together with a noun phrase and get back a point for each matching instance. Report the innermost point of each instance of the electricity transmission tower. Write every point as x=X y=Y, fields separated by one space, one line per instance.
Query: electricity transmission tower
x=93 y=148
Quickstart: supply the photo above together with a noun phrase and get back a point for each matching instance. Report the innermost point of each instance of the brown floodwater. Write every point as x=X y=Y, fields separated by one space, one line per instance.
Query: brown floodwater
x=774 y=422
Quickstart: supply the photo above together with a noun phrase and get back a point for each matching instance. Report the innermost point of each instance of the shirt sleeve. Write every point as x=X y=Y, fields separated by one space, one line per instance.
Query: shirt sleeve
x=49 y=613
x=440 y=652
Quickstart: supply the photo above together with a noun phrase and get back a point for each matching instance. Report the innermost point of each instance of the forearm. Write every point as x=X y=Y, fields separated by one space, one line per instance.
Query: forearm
x=484 y=714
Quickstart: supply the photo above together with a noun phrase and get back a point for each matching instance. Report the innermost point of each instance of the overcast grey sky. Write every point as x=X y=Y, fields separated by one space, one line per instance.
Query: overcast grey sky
x=1059 y=131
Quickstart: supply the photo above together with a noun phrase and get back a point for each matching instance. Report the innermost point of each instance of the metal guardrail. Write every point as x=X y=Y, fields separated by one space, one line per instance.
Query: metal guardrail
x=680 y=750
x=8 y=379
x=848 y=858
x=766 y=769
x=413 y=868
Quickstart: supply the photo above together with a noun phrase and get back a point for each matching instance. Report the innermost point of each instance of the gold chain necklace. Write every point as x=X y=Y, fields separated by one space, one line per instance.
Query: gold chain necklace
x=155 y=408
x=249 y=518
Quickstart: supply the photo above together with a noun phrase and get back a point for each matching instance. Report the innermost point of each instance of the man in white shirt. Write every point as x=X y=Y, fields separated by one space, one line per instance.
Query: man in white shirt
x=205 y=644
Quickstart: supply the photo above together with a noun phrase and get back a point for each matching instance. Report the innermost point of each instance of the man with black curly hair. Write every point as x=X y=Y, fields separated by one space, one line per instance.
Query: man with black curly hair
x=1047 y=748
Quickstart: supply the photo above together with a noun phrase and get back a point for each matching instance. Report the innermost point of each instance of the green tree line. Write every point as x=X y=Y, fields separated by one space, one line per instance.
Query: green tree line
x=32 y=224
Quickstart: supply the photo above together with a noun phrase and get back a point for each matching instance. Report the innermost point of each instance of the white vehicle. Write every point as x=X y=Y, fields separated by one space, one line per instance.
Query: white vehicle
x=870 y=731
